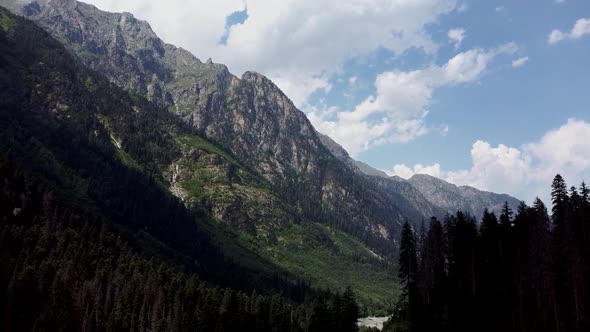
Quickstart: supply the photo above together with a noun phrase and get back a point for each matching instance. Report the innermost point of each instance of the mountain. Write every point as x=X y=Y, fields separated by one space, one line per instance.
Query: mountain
x=89 y=239
x=254 y=225
x=412 y=204
x=62 y=126
x=248 y=116
x=429 y=195
x=233 y=150
x=468 y=199
x=339 y=152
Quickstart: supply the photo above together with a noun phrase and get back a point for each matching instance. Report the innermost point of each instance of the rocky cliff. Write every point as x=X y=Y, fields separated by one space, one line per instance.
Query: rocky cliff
x=468 y=199
x=248 y=116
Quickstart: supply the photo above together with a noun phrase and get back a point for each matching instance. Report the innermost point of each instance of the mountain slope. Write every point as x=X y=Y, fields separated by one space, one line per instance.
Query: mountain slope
x=248 y=116
x=429 y=195
x=75 y=111
x=54 y=132
x=465 y=198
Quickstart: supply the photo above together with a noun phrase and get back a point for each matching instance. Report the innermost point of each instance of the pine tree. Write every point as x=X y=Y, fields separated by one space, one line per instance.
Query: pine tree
x=489 y=268
x=560 y=200
x=349 y=311
x=563 y=286
x=408 y=268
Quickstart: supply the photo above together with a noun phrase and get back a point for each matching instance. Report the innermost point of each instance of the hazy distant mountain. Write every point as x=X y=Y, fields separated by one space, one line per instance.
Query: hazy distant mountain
x=234 y=150
x=452 y=198
x=248 y=116
x=444 y=196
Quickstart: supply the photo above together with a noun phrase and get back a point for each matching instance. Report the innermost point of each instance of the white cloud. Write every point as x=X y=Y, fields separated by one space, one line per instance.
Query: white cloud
x=456 y=36
x=397 y=111
x=524 y=172
x=556 y=36
x=566 y=150
x=402 y=171
x=299 y=87
x=406 y=172
x=498 y=169
x=297 y=43
x=579 y=30
x=462 y=7
x=520 y=62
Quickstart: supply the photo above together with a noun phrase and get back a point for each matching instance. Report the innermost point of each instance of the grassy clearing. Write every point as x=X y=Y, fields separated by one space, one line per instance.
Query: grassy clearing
x=328 y=258
x=6 y=23
x=331 y=259
x=193 y=141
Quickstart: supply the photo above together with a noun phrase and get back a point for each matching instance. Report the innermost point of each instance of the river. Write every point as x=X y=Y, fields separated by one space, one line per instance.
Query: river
x=372 y=322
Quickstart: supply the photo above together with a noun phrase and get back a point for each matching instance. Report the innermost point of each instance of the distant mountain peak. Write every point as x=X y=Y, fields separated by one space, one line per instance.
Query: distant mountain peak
x=438 y=192
x=452 y=197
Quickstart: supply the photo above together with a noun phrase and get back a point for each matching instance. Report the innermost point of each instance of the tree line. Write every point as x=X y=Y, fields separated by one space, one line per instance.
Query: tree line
x=523 y=271
x=65 y=271
x=88 y=243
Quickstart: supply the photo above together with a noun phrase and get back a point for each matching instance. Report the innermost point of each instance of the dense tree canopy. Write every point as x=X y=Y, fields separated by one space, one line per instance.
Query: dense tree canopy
x=523 y=272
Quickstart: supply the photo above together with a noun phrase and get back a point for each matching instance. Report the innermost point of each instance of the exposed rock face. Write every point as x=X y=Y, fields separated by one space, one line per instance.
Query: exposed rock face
x=465 y=198
x=427 y=195
x=339 y=152
x=248 y=116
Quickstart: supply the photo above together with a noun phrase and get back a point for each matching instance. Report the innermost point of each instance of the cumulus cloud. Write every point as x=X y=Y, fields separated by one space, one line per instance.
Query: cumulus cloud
x=406 y=172
x=299 y=44
x=580 y=29
x=499 y=169
x=525 y=172
x=556 y=36
x=456 y=36
x=462 y=7
x=396 y=112
x=520 y=62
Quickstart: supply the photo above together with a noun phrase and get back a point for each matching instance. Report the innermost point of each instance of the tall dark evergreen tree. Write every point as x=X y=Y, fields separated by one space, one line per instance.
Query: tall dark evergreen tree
x=348 y=311
x=561 y=233
x=560 y=199
x=408 y=269
x=489 y=268
x=526 y=273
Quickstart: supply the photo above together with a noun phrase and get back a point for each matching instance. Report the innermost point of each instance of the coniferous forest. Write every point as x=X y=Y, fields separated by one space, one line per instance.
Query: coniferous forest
x=93 y=237
x=524 y=270
x=88 y=243
x=64 y=271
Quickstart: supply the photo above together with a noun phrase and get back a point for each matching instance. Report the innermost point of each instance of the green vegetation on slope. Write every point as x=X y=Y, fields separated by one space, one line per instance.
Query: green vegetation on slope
x=331 y=259
x=325 y=257
x=109 y=151
x=6 y=23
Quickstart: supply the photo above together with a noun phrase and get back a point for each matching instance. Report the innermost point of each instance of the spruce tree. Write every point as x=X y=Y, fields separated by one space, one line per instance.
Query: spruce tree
x=349 y=311
x=408 y=266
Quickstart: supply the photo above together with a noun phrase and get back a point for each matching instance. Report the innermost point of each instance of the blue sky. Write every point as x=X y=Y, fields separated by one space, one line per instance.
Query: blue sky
x=492 y=94
x=506 y=105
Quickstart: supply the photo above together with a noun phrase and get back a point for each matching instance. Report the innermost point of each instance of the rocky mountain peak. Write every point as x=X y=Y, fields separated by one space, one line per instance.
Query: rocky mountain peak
x=256 y=77
x=250 y=117
x=468 y=199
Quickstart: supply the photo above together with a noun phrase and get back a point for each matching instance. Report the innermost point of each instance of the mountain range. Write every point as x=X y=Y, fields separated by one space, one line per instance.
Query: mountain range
x=272 y=193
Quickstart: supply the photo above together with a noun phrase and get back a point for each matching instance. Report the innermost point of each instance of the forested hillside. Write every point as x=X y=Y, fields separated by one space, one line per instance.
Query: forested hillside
x=146 y=190
x=90 y=238
x=267 y=225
